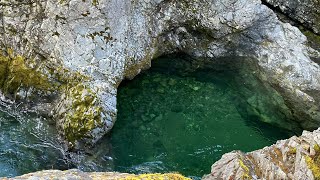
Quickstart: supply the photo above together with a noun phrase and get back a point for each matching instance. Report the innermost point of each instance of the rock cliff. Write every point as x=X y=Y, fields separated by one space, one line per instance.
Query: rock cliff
x=68 y=57
x=73 y=54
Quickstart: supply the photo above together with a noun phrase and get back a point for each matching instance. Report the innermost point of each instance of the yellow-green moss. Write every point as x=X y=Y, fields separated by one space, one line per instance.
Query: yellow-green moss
x=313 y=39
x=94 y=2
x=316 y=148
x=246 y=170
x=15 y=74
x=169 y=176
x=84 y=115
x=314 y=162
x=292 y=150
x=84 y=112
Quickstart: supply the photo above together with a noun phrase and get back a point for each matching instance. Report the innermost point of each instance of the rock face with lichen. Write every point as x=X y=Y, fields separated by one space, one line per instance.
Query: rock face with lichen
x=306 y=12
x=75 y=53
x=79 y=175
x=294 y=158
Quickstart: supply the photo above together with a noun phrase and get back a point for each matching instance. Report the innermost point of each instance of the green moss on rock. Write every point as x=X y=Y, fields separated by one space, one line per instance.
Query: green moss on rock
x=84 y=115
x=15 y=74
x=246 y=170
x=313 y=39
x=312 y=36
x=313 y=162
x=82 y=112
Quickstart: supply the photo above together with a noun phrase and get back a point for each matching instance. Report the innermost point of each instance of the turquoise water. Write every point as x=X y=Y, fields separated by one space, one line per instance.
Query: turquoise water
x=183 y=116
x=27 y=144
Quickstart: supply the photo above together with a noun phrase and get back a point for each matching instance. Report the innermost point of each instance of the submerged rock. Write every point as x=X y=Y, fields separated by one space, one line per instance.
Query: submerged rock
x=294 y=158
x=86 y=48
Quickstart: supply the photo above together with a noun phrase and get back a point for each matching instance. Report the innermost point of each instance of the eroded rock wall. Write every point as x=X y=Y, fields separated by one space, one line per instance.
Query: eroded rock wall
x=86 y=48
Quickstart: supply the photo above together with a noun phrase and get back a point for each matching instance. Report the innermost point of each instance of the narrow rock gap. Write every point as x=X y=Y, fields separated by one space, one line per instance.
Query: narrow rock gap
x=285 y=18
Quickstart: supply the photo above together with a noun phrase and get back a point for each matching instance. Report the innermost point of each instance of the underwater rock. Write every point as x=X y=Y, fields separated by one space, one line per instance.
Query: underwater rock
x=294 y=158
x=94 y=45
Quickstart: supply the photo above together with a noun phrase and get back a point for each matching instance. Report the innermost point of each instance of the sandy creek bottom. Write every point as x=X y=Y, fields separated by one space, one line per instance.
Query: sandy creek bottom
x=178 y=116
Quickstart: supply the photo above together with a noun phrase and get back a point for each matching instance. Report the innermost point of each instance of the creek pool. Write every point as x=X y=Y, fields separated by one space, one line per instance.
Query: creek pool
x=183 y=116
x=179 y=116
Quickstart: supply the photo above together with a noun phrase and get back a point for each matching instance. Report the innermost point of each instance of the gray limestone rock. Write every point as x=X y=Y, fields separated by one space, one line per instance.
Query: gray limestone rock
x=294 y=158
x=74 y=174
x=306 y=12
x=84 y=49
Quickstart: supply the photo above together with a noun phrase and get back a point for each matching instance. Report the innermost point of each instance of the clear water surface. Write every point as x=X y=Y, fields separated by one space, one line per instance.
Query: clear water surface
x=179 y=116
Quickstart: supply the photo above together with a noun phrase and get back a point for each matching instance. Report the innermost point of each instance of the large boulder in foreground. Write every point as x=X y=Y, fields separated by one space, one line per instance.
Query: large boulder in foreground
x=294 y=158
x=79 y=175
x=84 y=49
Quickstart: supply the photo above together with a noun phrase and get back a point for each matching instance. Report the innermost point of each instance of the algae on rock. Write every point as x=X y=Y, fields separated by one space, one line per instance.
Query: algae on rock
x=15 y=74
x=84 y=114
x=313 y=162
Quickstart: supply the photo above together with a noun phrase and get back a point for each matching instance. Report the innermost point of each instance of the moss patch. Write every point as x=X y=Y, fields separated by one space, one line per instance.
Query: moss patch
x=246 y=170
x=84 y=114
x=171 y=176
x=15 y=74
x=313 y=162
x=313 y=39
x=292 y=150
x=82 y=111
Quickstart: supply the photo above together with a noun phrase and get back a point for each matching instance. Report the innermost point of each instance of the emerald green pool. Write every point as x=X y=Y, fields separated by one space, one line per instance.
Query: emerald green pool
x=181 y=115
